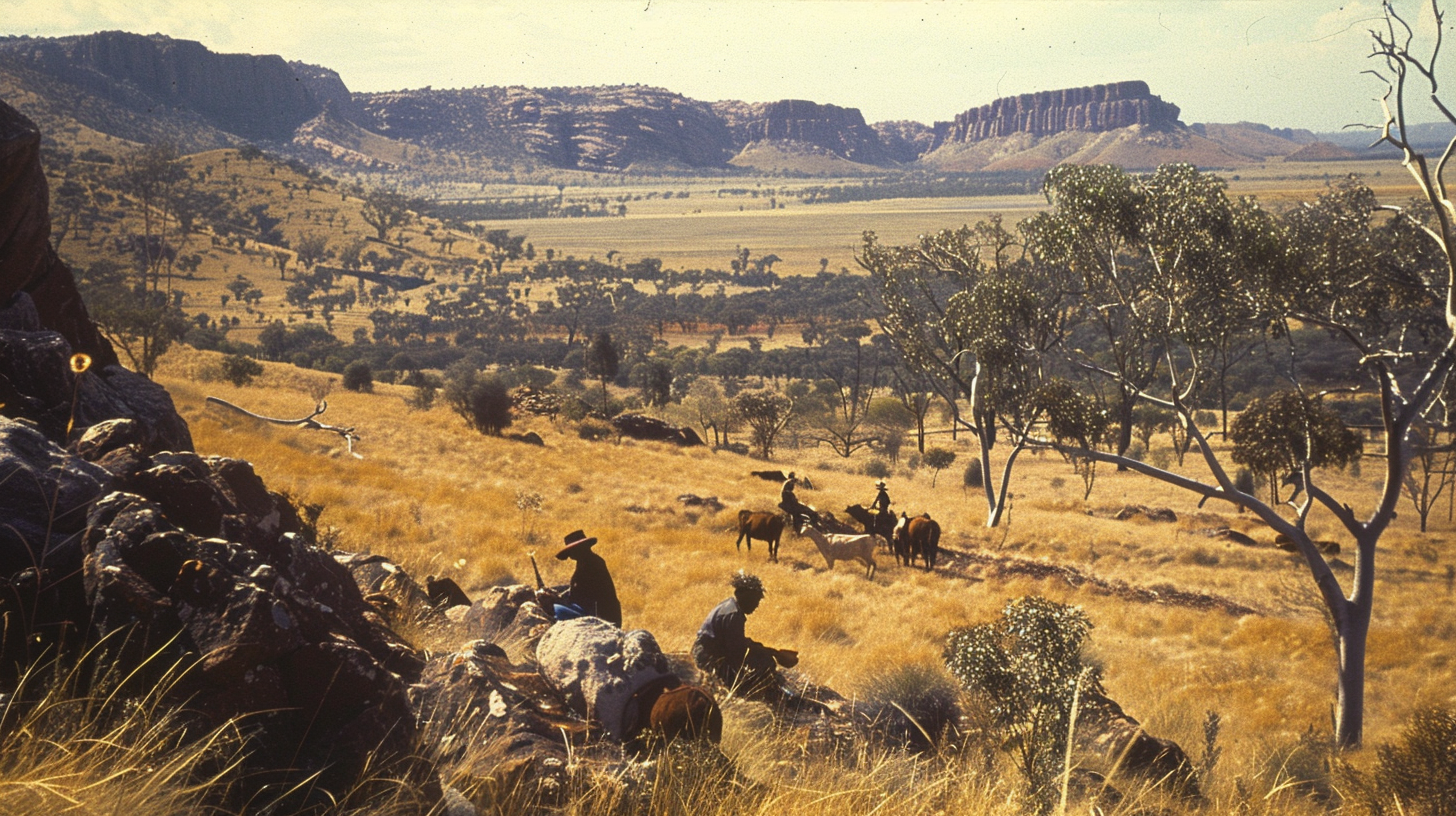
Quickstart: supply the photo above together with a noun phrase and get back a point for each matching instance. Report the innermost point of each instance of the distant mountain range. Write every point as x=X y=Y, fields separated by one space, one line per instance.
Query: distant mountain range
x=143 y=88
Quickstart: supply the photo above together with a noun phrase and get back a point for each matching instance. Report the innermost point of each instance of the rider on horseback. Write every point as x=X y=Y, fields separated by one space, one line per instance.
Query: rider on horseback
x=799 y=514
x=884 y=519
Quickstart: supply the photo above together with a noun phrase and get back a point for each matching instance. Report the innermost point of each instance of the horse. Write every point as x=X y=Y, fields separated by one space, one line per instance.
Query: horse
x=859 y=548
x=917 y=537
x=873 y=523
x=766 y=527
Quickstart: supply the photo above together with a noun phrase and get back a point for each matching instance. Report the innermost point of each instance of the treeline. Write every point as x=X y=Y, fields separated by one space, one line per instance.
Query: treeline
x=955 y=185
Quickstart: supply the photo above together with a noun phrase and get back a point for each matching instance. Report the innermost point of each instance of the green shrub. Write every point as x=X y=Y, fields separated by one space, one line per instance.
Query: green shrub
x=358 y=377
x=1024 y=671
x=480 y=399
x=240 y=369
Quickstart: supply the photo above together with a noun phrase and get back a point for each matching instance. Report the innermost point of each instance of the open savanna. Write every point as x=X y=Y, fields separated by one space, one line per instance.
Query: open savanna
x=441 y=499
x=703 y=230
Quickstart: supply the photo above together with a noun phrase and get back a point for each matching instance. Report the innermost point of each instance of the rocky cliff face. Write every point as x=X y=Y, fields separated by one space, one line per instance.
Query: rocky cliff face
x=257 y=97
x=28 y=263
x=1096 y=109
x=603 y=128
x=327 y=87
x=841 y=131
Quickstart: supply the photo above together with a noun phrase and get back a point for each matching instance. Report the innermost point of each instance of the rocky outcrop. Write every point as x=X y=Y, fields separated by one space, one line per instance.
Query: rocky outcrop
x=841 y=131
x=905 y=140
x=327 y=87
x=600 y=669
x=28 y=263
x=641 y=426
x=1096 y=109
x=602 y=128
x=257 y=97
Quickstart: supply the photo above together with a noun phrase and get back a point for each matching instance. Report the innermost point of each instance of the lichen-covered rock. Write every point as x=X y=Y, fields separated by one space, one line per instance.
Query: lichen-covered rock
x=598 y=668
x=1115 y=744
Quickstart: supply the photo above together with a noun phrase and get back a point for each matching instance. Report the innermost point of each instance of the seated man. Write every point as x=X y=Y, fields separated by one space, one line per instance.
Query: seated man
x=591 y=592
x=723 y=649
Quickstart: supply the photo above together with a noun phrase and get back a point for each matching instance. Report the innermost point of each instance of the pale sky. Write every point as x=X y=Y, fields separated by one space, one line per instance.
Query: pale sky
x=1285 y=63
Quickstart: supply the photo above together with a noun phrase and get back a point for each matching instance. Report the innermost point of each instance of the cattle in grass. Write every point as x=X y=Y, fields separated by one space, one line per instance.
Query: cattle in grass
x=766 y=527
x=872 y=522
x=917 y=537
x=687 y=712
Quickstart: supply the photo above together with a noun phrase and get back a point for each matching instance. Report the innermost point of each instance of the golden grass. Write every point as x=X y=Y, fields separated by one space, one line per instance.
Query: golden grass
x=441 y=499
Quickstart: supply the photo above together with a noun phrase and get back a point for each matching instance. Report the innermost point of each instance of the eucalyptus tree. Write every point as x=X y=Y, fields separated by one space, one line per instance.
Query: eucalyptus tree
x=1377 y=278
x=978 y=319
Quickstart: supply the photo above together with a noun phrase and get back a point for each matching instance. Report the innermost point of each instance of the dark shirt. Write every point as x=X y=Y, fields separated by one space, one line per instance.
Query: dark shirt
x=787 y=494
x=881 y=502
x=592 y=589
x=721 y=634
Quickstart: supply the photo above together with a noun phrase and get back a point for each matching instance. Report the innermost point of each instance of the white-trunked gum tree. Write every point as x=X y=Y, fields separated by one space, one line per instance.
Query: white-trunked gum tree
x=1140 y=288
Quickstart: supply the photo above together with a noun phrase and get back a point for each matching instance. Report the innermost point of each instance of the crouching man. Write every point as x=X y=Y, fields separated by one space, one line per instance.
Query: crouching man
x=723 y=650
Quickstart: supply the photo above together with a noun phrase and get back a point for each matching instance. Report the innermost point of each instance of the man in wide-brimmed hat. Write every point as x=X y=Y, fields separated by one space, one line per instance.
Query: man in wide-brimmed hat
x=723 y=649
x=881 y=506
x=592 y=591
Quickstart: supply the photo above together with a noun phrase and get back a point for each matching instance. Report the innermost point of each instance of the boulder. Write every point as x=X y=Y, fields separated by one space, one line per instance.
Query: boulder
x=599 y=668
x=506 y=615
x=1113 y=743
x=638 y=426
x=37 y=383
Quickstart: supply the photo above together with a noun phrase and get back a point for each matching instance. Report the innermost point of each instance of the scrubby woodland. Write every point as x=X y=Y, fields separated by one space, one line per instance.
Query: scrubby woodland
x=1192 y=453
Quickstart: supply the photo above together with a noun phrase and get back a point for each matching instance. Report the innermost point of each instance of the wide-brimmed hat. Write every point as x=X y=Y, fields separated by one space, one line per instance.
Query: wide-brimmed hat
x=576 y=541
x=880 y=483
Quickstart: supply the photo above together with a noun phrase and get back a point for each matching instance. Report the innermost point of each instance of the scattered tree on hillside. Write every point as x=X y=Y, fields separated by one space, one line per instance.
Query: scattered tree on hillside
x=603 y=362
x=976 y=317
x=938 y=459
x=766 y=413
x=480 y=399
x=385 y=210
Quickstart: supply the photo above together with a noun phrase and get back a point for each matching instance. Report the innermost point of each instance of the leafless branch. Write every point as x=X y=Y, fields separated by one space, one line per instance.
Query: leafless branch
x=349 y=434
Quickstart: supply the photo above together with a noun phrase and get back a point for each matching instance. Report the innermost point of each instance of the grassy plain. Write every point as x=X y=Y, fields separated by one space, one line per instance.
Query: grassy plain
x=441 y=499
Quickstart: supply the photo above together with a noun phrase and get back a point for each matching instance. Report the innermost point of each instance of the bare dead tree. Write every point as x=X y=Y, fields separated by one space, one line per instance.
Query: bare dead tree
x=348 y=433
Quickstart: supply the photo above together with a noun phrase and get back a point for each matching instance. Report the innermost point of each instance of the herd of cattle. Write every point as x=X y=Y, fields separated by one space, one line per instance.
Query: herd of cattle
x=909 y=539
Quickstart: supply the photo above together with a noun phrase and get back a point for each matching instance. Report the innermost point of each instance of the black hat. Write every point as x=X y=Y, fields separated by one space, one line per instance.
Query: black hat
x=575 y=542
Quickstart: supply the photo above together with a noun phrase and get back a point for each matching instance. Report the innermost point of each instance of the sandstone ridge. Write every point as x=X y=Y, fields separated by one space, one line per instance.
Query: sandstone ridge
x=1094 y=109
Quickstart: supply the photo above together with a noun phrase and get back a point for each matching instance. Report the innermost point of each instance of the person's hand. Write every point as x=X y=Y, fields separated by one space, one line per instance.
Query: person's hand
x=547 y=599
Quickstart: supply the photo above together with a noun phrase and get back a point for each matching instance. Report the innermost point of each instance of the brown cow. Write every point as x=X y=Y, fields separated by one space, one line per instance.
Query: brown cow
x=767 y=527
x=917 y=537
x=687 y=711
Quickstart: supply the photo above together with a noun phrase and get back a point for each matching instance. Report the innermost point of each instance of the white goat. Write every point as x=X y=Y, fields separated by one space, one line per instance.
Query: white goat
x=835 y=547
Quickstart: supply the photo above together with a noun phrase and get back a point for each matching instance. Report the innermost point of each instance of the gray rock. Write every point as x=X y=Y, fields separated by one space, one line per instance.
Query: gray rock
x=598 y=668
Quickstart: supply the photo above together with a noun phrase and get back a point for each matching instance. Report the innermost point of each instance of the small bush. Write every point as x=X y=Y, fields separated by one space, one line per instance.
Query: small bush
x=1024 y=670
x=973 y=472
x=877 y=468
x=358 y=377
x=915 y=705
x=1417 y=772
x=479 y=399
x=594 y=430
x=240 y=369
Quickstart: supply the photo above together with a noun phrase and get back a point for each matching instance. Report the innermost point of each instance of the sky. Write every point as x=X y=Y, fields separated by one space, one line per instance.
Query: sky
x=1284 y=63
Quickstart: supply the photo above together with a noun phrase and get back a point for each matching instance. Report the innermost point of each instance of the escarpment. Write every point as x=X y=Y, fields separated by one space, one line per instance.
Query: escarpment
x=1094 y=109
x=841 y=131
x=256 y=97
